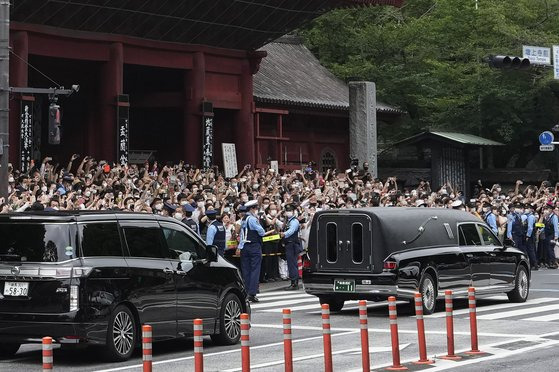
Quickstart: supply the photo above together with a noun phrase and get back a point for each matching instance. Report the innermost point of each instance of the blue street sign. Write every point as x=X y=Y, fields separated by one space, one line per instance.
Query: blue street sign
x=546 y=138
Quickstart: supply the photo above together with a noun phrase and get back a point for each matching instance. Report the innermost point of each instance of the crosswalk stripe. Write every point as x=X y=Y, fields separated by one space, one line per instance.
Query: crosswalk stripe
x=281 y=303
x=286 y=296
x=481 y=309
x=271 y=293
x=544 y=318
x=295 y=308
x=513 y=313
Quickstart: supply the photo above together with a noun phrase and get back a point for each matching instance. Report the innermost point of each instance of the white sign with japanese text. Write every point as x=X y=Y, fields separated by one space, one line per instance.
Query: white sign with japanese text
x=229 y=159
x=556 y=61
x=537 y=55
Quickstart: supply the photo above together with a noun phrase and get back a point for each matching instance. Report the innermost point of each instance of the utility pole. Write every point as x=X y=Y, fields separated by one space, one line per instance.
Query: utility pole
x=4 y=94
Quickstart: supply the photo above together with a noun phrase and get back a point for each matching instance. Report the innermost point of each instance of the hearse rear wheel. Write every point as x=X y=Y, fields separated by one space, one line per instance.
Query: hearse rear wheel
x=8 y=350
x=335 y=305
x=521 y=287
x=122 y=335
x=229 y=321
x=428 y=290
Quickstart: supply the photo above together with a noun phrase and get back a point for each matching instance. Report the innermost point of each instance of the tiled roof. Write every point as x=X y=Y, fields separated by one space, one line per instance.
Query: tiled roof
x=291 y=75
x=461 y=138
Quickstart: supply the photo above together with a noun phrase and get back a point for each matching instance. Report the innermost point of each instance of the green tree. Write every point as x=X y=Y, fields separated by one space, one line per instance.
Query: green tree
x=430 y=58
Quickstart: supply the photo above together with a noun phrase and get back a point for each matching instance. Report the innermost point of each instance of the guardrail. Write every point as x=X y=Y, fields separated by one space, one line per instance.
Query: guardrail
x=326 y=336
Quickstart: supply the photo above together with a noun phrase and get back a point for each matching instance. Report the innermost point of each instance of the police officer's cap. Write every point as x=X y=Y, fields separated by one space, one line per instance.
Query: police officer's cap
x=170 y=207
x=456 y=204
x=290 y=207
x=242 y=208
x=251 y=204
x=211 y=212
x=188 y=208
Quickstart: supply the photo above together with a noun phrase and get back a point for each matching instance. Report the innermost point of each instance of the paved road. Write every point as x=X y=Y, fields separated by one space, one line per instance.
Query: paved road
x=516 y=337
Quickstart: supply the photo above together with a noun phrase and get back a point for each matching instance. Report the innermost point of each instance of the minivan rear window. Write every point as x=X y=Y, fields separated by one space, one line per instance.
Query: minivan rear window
x=36 y=242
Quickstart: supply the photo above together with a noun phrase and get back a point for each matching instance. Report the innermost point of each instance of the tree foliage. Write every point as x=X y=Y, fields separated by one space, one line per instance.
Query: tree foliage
x=430 y=58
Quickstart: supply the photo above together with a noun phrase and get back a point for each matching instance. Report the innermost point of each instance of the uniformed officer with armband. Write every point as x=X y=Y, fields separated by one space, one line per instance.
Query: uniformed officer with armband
x=188 y=220
x=216 y=232
x=290 y=240
x=530 y=243
x=250 y=249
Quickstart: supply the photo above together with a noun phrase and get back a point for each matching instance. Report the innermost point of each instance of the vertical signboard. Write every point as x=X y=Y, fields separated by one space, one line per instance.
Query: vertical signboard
x=207 y=135
x=556 y=61
x=26 y=135
x=123 y=129
x=229 y=160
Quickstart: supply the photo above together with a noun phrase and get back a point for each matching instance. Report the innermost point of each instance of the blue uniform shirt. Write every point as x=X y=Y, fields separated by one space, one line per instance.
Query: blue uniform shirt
x=293 y=227
x=531 y=220
x=555 y=221
x=210 y=234
x=492 y=222
x=250 y=222
x=510 y=220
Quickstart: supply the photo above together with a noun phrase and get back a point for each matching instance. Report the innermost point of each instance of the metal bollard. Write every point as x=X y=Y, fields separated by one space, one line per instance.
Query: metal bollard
x=198 y=346
x=473 y=322
x=393 y=316
x=363 y=324
x=47 y=354
x=421 y=331
x=326 y=338
x=147 y=357
x=287 y=343
x=449 y=327
x=245 y=342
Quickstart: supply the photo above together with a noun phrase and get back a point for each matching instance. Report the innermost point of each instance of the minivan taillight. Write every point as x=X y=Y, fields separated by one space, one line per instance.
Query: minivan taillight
x=74 y=298
x=390 y=265
x=64 y=272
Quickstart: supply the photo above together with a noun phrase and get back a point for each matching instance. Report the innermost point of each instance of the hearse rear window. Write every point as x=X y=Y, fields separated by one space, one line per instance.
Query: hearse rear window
x=357 y=242
x=35 y=242
x=144 y=241
x=100 y=239
x=469 y=235
x=331 y=242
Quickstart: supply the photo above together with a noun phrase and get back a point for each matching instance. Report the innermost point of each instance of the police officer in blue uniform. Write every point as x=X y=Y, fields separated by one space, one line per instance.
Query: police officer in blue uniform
x=530 y=242
x=188 y=221
x=551 y=232
x=216 y=232
x=290 y=240
x=515 y=230
x=490 y=218
x=250 y=249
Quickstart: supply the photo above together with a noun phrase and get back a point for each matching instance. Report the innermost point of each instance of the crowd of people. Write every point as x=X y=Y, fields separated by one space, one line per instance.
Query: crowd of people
x=525 y=214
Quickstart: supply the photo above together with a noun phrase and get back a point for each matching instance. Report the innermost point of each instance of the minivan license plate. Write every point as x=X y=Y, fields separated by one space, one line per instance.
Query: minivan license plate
x=16 y=288
x=344 y=285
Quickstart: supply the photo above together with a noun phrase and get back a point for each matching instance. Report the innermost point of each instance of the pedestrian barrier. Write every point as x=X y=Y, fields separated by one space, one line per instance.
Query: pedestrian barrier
x=449 y=327
x=47 y=354
x=327 y=338
x=146 y=348
x=287 y=343
x=198 y=346
x=245 y=343
x=473 y=322
x=392 y=315
x=363 y=324
x=421 y=331
x=47 y=350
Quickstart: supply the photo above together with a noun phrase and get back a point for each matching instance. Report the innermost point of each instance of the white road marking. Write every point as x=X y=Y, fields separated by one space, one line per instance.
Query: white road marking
x=314 y=356
x=544 y=290
x=287 y=296
x=513 y=313
x=280 y=303
x=481 y=309
x=543 y=318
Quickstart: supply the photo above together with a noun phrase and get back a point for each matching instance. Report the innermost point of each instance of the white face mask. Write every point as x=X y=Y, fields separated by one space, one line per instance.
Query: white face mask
x=178 y=216
x=44 y=189
x=184 y=202
x=158 y=206
x=273 y=212
x=200 y=204
x=87 y=194
x=288 y=214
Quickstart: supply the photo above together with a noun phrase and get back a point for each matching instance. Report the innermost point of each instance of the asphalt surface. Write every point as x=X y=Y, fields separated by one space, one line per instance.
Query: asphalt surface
x=515 y=337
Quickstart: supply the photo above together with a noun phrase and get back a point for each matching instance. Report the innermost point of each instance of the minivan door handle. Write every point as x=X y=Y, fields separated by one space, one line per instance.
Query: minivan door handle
x=340 y=243
x=347 y=243
x=168 y=271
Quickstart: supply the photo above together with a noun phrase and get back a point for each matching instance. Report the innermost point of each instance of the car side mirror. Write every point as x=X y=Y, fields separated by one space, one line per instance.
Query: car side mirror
x=211 y=253
x=508 y=243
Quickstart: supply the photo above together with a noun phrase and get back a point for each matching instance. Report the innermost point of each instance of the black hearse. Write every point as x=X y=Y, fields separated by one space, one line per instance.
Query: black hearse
x=374 y=253
x=96 y=277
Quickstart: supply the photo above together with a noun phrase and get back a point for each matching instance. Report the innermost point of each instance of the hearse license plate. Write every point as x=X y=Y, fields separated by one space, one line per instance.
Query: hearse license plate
x=16 y=288
x=344 y=285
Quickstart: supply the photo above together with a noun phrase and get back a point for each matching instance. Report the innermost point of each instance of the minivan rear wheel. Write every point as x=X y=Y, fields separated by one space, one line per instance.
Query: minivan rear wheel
x=334 y=304
x=229 y=321
x=121 y=335
x=8 y=350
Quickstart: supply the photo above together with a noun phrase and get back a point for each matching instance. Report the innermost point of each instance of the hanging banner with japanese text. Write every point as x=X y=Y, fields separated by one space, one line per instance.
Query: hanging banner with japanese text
x=556 y=61
x=229 y=160
x=123 y=129
x=26 y=135
x=207 y=141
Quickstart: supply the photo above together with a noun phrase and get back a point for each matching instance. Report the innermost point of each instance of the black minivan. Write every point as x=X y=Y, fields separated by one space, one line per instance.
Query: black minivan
x=95 y=277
